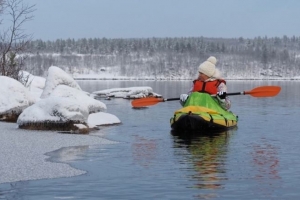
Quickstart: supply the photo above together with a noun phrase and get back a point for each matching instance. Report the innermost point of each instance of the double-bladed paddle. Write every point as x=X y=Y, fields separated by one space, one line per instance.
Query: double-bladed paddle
x=262 y=91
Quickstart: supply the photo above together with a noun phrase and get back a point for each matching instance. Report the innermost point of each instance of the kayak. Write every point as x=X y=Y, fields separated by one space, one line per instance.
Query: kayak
x=202 y=112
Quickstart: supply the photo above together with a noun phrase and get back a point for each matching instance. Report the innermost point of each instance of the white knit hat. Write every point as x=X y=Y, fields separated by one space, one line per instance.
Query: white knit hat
x=208 y=67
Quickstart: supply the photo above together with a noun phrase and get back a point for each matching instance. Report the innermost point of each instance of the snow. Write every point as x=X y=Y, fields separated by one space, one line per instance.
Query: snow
x=35 y=85
x=14 y=96
x=80 y=96
x=57 y=98
x=23 y=153
x=131 y=92
x=54 y=109
x=103 y=75
x=114 y=76
x=260 y=74
x=57 y=76
x=62 y=100
x=107 y=119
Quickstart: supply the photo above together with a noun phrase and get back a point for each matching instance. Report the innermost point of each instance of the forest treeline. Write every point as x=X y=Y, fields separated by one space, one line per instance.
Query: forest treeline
x=168 y=57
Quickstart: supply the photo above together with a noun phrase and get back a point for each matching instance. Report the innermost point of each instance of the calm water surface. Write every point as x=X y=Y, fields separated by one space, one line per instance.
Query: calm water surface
x=257 y=160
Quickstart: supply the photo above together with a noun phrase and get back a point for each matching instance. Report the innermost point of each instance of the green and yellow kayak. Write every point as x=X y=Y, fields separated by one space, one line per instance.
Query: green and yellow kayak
x=202 y=112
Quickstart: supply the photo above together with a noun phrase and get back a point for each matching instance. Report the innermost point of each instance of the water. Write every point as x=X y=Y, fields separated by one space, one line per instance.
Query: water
x=258 y=160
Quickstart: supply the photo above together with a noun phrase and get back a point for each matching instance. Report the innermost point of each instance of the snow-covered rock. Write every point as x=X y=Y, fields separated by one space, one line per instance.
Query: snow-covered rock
x=14 y=98
x=129 y=93
x=63 y=107
x=55 y=110
x=81 y=96
x=106 y=119
x=35 y=85
x=57 y=76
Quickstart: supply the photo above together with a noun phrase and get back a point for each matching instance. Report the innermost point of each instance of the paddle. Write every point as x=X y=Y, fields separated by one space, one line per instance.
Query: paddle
x=262 y=91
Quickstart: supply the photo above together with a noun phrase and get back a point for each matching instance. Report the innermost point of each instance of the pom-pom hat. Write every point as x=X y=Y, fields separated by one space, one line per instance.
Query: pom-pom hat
x=208 y=67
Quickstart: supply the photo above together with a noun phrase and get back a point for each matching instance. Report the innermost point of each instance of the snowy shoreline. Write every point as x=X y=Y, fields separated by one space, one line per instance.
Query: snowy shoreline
x=115 y=76
x=181 y=79
x=23 y=153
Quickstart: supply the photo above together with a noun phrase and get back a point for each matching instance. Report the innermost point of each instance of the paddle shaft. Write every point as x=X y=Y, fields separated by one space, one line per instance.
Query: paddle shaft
x=234 y=93
x=262 y=91
x=171 y=99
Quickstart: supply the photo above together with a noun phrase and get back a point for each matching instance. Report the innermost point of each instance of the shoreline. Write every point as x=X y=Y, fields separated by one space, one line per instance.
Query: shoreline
x=180 y=79
x=25 y=153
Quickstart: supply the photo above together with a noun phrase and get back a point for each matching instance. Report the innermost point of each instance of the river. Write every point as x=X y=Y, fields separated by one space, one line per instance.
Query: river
x=257 y=160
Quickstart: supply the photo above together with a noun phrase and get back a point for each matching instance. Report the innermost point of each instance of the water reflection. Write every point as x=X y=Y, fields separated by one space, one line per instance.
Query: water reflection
x=67 y=154
x=144 y=151
x=265 y=163
x=265 y=159
x=207 y=155
x=14 y=190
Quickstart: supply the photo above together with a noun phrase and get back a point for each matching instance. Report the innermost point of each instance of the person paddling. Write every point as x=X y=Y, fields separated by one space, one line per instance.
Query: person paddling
x=210 y=81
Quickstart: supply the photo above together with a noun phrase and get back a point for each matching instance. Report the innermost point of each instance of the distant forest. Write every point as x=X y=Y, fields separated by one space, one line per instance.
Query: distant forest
x=168 y=57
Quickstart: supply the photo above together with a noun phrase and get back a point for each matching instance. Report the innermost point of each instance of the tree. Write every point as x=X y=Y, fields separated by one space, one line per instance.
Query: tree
x=264 y=56
x=14 y=42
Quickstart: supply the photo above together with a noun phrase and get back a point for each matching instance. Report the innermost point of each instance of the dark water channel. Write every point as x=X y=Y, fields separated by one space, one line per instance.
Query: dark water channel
x=257 y=160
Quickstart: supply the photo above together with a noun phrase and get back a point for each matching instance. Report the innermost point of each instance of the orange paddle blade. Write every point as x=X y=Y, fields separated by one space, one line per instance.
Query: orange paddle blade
x=149 y=101
x=264 y=91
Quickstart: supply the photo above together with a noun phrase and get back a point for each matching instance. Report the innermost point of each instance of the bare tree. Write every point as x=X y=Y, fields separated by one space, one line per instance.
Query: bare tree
x=13 y=40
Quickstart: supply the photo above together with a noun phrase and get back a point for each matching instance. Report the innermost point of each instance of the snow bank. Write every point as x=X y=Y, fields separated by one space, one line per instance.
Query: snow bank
x=57 y=76
x=131 y=92
x=23 y=153
x=14 y=96
x=54 y=109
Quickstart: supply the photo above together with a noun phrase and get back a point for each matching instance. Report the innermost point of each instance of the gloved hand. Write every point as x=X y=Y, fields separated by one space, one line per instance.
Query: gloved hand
x=183 y=97
x=221 y=95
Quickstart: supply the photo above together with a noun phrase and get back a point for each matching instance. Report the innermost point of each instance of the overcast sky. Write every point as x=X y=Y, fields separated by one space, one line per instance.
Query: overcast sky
x=62 y=19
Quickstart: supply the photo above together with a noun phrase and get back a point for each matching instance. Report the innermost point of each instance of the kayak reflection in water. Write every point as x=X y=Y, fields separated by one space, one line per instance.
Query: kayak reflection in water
x=208 y=157
x=209 y=81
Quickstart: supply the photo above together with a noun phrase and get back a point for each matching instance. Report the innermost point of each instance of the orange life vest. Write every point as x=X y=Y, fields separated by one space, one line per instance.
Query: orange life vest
x=210 y=87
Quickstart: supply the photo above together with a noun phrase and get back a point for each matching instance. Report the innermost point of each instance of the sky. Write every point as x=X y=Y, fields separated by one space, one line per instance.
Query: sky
x=62 y=19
